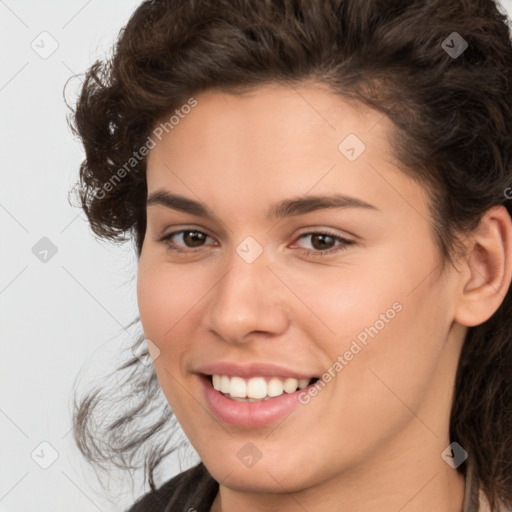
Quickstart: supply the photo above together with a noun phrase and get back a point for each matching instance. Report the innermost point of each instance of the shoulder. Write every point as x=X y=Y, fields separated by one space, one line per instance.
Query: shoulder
x=192 y=491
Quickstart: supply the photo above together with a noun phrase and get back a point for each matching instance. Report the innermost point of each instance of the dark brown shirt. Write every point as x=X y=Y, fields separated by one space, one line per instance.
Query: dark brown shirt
x=194 y=490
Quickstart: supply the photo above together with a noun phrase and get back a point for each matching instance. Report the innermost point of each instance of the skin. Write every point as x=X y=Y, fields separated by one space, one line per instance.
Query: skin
x=372 y=438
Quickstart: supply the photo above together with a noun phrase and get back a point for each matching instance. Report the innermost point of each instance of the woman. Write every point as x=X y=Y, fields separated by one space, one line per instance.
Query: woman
x=319 y=197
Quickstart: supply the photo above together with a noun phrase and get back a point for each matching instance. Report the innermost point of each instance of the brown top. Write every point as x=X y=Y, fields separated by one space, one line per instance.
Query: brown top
x=194 y=490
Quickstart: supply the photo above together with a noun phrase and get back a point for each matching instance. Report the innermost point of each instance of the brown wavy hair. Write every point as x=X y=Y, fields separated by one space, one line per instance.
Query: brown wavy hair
x=452 y=118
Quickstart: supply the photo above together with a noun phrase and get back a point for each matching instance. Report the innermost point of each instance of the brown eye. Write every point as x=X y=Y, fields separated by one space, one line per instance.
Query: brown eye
x=193 y=238
x=190 y=239
x=325 y=243
x=322 y=242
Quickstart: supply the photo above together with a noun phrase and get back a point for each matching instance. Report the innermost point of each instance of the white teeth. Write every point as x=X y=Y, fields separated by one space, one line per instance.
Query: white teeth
x=290 y=385
x=238 y=387
x=275 y=387
x=303 y=383
x=225 y=386
x=256 y=388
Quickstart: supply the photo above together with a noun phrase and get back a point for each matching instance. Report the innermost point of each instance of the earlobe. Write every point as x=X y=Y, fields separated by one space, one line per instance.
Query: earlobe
x=488 y=268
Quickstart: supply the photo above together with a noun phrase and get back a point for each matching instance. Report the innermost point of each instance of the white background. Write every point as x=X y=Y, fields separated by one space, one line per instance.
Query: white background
x=64 y=317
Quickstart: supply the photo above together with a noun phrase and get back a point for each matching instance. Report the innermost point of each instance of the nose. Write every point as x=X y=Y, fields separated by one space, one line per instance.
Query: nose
x=249 y=299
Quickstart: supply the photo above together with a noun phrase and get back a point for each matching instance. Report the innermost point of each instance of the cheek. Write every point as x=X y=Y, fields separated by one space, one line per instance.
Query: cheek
x=153 y=298
x=166 y=299
x=164 y=296
x=397 y=371
x=390 y=316
x=344 y=300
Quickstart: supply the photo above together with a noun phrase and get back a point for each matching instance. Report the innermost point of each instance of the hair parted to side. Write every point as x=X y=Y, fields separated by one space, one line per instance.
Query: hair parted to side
x=453 y=133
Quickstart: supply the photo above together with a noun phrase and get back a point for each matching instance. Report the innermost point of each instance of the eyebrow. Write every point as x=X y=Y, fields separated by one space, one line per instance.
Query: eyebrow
x=285 y=208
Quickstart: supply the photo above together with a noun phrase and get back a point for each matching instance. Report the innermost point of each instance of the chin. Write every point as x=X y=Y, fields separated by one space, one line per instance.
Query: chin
x=260 y=478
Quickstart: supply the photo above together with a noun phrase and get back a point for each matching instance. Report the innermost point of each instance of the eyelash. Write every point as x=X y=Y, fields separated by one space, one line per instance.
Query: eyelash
x=344 y=242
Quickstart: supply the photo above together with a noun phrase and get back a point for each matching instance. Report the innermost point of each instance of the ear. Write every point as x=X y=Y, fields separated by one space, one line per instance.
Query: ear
x=487 y=268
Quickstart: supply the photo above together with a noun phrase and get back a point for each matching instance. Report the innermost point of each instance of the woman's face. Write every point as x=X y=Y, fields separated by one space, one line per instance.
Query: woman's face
x=258 y=294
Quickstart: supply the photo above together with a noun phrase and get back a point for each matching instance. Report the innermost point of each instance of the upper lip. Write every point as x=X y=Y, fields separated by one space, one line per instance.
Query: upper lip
x=251 y=370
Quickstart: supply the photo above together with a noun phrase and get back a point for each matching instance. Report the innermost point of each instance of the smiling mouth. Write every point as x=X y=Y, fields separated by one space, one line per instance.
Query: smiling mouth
x=256 y=389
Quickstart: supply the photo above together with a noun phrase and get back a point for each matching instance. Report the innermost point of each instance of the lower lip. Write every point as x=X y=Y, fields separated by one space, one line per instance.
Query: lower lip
x=249 y=414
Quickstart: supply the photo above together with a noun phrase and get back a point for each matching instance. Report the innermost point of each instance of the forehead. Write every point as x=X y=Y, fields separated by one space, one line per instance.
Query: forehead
x=274 y=141
x=270 y=115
